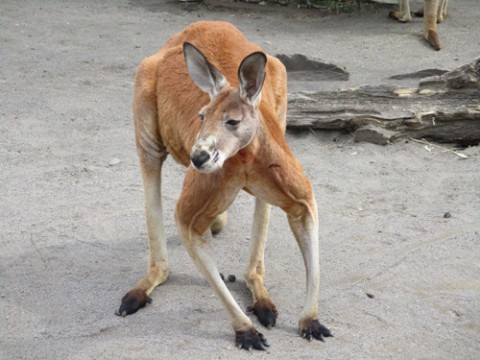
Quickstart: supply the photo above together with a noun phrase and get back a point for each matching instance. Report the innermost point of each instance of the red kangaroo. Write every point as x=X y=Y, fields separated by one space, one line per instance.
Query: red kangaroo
x=224 y=119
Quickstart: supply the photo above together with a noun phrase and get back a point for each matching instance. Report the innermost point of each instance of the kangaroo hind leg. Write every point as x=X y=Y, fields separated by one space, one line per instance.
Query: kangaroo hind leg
x=304 y=227
x=292 y=191
x=152 y=154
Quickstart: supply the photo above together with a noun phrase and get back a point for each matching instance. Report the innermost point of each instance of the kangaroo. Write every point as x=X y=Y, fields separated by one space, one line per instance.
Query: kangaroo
x=432 y=14
x=217 y=104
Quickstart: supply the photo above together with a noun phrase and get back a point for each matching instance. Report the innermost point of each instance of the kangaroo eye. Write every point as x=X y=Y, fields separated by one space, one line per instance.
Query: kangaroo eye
x=232 y=123
x=202 y=117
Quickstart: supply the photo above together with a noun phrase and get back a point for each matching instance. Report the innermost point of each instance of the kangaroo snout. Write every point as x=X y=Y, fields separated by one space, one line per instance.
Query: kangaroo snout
x=205 y=156
x=199 y=158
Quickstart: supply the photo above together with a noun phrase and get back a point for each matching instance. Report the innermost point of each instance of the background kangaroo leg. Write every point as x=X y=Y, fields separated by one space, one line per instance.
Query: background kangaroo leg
x=263 y=306
x=442 y=11
x=403 y=14
x=430 y=23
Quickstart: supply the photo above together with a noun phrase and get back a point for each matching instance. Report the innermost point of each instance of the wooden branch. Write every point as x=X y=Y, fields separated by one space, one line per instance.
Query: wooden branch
x=445 y=108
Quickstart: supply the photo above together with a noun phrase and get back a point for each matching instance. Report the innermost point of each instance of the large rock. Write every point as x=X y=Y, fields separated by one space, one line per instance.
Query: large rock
x=302 y=68
x=445 y=108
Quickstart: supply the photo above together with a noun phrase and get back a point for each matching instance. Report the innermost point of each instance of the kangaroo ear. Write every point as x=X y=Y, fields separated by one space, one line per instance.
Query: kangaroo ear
x=251 y=75
x=204 y=75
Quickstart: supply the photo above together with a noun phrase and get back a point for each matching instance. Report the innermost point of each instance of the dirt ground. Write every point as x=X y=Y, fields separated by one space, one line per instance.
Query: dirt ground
x=400 y=276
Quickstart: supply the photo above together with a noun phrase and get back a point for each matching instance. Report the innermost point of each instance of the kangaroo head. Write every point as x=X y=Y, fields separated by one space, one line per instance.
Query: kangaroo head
x=230 y=120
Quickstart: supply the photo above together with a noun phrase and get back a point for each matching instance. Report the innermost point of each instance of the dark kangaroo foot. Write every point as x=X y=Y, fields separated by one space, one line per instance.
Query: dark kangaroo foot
x=312 y=329
x=250 y=339
x=265 y=312
x=133 y=301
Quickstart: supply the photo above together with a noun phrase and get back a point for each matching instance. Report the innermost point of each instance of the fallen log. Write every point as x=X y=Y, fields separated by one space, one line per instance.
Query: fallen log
x=444 y=108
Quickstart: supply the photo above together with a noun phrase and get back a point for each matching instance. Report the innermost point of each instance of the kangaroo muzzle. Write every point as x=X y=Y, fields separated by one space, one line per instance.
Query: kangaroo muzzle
x=205 y=157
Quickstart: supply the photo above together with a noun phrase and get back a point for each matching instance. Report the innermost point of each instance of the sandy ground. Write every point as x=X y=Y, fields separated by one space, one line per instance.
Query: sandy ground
x=72 y=233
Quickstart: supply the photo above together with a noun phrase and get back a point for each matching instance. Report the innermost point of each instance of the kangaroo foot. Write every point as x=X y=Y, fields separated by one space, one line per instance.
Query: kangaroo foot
x=265 y=312
x=250 y=339
x=133 y=301
x=312 y=329
x=432 y=38
x=400 y=16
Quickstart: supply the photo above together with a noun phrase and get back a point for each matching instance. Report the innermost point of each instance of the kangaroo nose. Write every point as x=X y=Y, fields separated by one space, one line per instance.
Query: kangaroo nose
x=199 y=158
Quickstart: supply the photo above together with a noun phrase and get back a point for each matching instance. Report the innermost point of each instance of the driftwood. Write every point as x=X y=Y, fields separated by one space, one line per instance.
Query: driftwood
x=444 y=108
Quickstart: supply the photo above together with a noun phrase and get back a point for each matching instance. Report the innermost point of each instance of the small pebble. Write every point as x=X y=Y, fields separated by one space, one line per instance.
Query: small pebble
x=232 y=278
x=447 y=215
x=371 y=296
x=114 y=161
